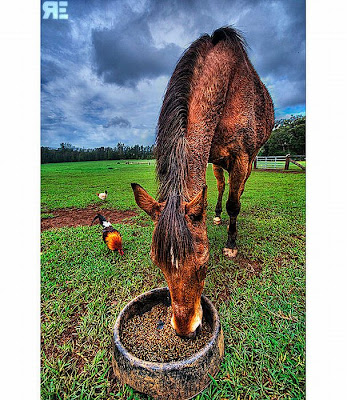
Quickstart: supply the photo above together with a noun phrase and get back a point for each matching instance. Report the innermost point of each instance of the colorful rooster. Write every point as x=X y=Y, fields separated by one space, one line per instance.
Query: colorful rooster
x=102 y=196
x=111 y=236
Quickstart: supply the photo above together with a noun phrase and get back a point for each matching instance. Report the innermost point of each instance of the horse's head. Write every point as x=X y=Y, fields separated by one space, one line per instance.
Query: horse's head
x=180 y=250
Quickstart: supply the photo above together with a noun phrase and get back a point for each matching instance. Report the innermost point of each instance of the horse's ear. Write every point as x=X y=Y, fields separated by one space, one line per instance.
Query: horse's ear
x=196 y=207
x=146 y=202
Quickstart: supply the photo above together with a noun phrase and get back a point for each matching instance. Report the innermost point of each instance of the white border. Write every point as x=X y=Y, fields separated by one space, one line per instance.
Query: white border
x=326 y=202
x=20 y=199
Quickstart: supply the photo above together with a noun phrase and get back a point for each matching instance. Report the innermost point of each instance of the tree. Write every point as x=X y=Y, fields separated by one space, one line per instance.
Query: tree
x=66 y=152
x=288 y=137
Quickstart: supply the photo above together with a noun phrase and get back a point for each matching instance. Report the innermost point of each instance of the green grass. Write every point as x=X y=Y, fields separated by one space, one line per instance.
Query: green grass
x=75 y=184
x=260 y=297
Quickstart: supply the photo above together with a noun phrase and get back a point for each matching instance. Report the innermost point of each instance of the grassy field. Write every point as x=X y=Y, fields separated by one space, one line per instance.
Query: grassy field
x=260 y=296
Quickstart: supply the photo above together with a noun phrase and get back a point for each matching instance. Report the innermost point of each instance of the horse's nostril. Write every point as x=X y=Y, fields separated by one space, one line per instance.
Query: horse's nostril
x=198 y=329
x=197 y=332
x=191 y=335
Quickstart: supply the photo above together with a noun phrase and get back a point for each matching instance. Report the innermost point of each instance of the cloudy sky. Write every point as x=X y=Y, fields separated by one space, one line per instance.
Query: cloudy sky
x=106 y=67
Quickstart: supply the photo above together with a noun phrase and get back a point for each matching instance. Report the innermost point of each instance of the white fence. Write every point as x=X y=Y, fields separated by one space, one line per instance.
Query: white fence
x=278 y=162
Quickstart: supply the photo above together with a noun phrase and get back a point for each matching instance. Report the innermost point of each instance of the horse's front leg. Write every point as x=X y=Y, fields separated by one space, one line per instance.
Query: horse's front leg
x=219 y=174
x=237 y=179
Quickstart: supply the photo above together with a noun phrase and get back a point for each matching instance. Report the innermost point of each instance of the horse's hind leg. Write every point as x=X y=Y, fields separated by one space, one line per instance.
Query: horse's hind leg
x=237 y=178
x=219 y=174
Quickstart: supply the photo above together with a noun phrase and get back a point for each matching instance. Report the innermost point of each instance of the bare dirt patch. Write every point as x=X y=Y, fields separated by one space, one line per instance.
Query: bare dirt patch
x=240 y=270
x=72 y=217
x=250 y=267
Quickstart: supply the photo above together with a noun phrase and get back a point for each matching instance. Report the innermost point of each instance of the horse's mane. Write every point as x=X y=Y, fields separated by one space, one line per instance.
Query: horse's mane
x=172 y=164
x=172 y=237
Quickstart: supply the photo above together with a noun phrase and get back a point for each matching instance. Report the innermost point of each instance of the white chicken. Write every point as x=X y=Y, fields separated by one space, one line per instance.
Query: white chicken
x=102 y=196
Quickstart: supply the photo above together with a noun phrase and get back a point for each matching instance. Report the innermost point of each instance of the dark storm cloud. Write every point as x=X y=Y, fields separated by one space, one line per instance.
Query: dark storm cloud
x=275 y=31
x=276 y=34
x=126 y=54
x=118 y=121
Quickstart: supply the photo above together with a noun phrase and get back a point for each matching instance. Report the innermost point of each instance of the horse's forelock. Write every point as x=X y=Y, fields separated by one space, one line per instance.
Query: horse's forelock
x=172 y=240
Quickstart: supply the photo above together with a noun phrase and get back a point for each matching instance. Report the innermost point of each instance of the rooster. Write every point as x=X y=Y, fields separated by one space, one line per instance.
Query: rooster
x=102 y=196
x=111 y=236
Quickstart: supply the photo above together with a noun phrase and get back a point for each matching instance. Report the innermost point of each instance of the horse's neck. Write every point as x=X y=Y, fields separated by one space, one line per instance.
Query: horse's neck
x=199 y=144
x=207 y=100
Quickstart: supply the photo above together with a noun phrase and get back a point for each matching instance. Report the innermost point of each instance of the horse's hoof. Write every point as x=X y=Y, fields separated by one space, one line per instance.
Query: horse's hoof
x=217 y=220
x=229 y=253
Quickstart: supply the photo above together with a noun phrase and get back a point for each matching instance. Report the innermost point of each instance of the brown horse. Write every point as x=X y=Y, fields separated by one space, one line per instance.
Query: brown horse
x=216 y=109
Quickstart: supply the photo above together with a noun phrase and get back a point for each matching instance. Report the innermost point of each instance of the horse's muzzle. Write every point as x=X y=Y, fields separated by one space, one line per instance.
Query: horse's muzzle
x=191 y=335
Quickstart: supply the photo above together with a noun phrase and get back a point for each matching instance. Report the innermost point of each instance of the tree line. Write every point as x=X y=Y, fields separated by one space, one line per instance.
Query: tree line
x=288 y=137
x=67 y=153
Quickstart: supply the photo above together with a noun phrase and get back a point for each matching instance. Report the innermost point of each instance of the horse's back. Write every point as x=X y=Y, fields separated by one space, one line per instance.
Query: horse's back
x=247 y=118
